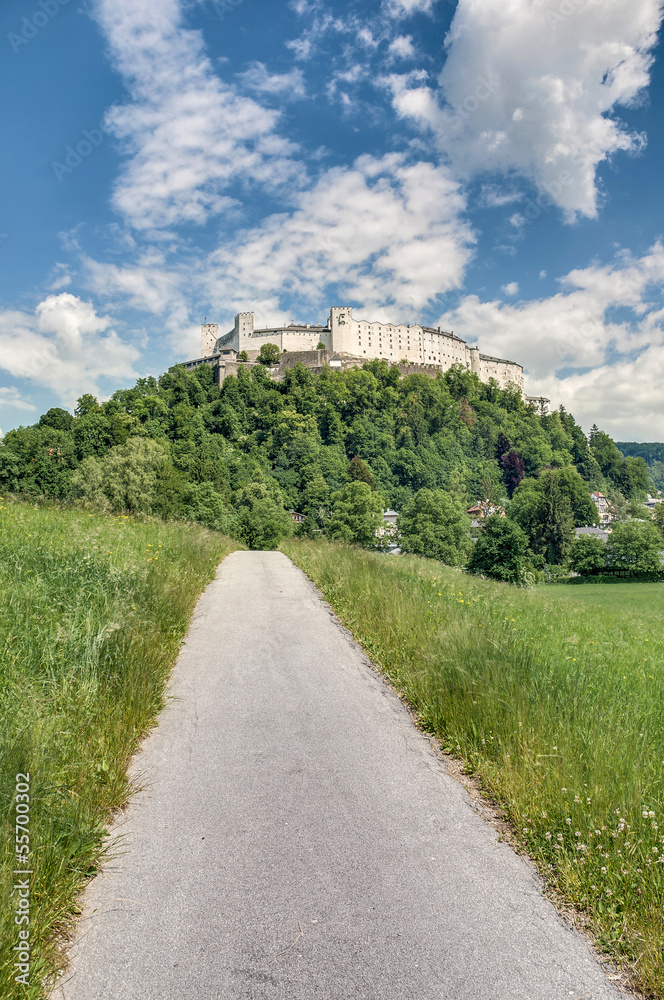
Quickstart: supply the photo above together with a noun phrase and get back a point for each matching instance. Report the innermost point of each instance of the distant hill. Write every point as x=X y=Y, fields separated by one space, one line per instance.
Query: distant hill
x=651 y=452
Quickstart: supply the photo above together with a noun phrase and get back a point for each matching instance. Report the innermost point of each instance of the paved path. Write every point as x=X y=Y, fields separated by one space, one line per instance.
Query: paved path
x=298 y=838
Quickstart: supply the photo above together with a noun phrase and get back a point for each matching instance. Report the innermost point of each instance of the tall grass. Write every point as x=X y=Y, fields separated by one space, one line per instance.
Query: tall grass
x=557 y=705
x=92 y=613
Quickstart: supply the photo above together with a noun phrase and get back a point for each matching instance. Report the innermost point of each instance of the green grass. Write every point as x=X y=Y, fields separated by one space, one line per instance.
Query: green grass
x=647 y=599
x=92 y=613
x=554 y=698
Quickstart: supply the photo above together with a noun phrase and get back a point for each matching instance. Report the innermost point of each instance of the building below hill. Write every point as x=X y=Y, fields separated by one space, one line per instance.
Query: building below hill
x=354 y=341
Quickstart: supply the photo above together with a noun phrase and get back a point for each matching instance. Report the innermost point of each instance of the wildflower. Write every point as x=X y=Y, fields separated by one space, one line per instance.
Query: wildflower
x=568 y=821
x=578 y=833
x=547 y=835
x=604 y=870
x=559 y=836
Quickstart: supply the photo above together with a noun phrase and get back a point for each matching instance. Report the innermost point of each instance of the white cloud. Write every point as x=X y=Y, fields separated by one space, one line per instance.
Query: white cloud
x=258 y=78
x=492 y=196
x=188 y=136
x=382 y=233
x=402 y=47
x=64 y=346
x=511 y=289
x=11 y=397
x=406 y=8
x=605 y=366
x=519 y=93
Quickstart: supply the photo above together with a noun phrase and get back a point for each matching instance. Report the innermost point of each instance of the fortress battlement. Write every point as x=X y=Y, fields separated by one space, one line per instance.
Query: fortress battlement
x=362 y=340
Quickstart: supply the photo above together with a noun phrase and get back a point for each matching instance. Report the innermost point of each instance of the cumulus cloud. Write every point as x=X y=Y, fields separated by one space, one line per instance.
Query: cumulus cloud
x=597 y=345
x=522 y=91
x=64 y=346
x=381 y=233
x=187 y=135
x=511 y=289
x=402 y=47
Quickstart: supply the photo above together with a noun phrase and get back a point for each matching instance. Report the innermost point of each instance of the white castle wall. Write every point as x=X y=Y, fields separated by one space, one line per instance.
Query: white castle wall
x=365 y=340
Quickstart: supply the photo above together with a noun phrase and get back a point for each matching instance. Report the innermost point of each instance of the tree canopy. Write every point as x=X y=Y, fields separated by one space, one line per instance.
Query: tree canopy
x=337 y=446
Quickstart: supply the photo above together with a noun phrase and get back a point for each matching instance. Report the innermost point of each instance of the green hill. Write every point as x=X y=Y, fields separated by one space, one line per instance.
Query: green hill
x=240 y=456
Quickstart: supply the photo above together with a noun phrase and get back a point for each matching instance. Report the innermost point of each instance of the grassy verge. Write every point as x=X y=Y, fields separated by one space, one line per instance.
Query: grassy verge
x=554 y=698
x=92 y=613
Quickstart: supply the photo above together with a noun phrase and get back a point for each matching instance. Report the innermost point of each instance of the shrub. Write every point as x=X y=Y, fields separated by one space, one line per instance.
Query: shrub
x=434 y=524
x=588 y=555
x=500 y=551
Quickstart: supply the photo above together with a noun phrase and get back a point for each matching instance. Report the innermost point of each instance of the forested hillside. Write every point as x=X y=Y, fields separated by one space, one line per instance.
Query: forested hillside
x=653 y=455
x=338 y=447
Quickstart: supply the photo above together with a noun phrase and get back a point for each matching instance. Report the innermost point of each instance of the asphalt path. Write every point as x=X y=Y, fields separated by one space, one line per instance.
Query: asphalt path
x=297 y=837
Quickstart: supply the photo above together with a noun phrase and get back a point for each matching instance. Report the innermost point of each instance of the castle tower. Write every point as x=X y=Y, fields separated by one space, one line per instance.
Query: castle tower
x=209 y=337
x=475 y=360
x=341 y=324
x=245 y=324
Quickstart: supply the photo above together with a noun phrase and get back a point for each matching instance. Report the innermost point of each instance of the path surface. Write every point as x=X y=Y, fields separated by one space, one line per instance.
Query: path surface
x=298 y=838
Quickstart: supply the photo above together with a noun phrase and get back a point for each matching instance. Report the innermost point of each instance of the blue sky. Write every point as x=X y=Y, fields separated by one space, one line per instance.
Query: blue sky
x=492 y=167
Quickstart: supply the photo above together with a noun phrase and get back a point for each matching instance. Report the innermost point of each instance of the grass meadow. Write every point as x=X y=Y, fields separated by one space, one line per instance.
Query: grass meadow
x=92 y=613
x=554 y=698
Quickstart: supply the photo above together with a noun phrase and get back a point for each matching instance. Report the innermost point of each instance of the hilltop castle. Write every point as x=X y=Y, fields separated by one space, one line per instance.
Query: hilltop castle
x=349 y=342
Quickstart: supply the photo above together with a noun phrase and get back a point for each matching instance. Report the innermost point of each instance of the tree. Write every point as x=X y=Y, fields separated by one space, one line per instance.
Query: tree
x=659 y=517
x=130 y=474
x=605 y=451
x=500 y=551
x=262 y=520
x=554 y=527
x=588 y=555
x=243 y=356
x=544 y=513
x=572 y=485
x=358 y=471
x=435 y=525
x=635 y=546
x=514 y=469
x=269 y=355
x=58 y=418
x=321 y=346
x=356 y=514
x=633 y=478
x=86 y=404
x=201 y=502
